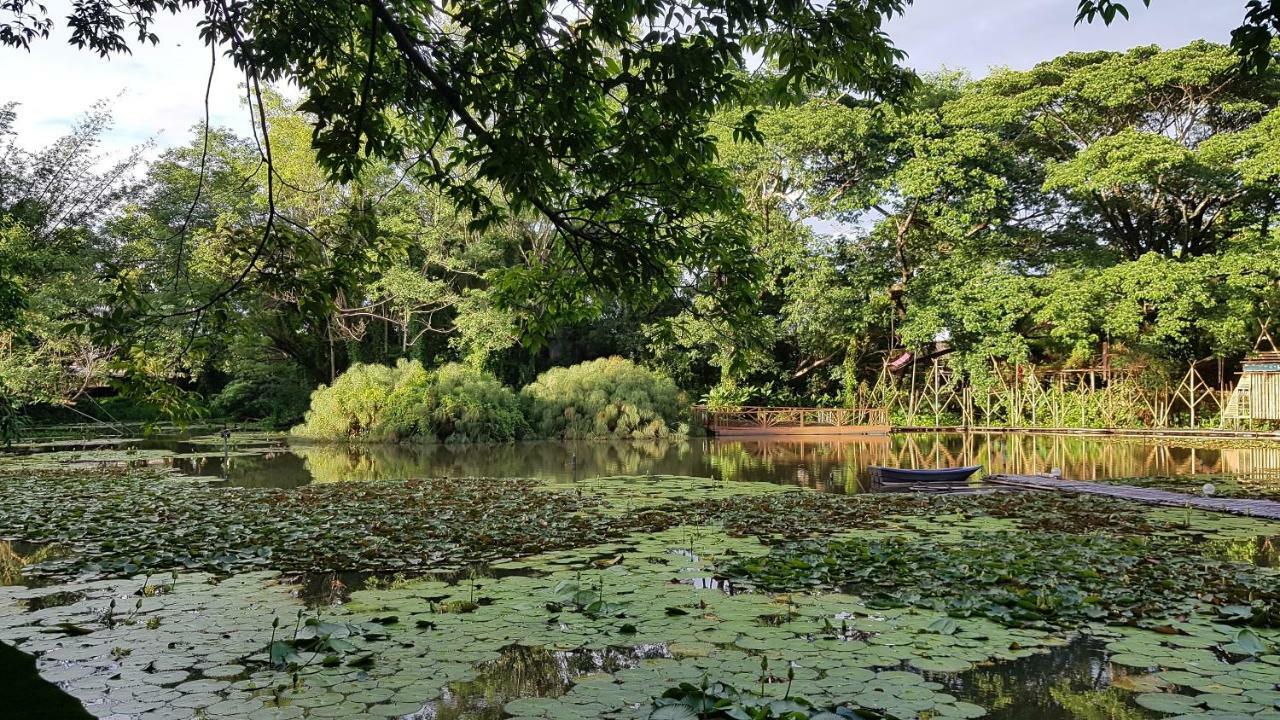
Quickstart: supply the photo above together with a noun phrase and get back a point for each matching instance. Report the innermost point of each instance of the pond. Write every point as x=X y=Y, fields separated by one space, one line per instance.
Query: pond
x=832 y=464
x=171 y=578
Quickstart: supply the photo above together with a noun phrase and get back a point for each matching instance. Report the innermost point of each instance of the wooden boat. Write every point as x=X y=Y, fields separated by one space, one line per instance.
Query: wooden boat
x=902 y=476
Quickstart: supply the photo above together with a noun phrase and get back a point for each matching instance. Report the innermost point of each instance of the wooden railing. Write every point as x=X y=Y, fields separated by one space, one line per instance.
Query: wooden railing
x=766 y=418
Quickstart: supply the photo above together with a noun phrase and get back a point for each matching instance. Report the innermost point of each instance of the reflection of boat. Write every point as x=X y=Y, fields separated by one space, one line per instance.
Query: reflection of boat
x=900 y=476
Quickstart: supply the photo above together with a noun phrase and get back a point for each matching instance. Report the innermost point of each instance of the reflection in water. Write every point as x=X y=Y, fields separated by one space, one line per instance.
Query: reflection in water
x=834 y=464
x=1259 y=550
x=329 y=589
x=830 y=464
x=16 y=555
x=1072 y=682
x=525 y=672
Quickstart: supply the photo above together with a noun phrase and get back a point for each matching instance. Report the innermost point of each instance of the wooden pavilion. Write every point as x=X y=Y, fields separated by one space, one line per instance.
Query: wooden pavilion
x=1257 y=394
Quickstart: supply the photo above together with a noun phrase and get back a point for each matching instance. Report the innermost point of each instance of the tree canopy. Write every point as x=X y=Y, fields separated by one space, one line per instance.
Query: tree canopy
x=753 y=198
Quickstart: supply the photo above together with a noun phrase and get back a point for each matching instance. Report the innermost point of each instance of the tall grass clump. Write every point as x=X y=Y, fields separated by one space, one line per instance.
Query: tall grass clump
x=605 y=398
x=408 y=403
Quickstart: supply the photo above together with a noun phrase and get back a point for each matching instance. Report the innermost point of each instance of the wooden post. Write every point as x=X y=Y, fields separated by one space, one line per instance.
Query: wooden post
x=1191 y=377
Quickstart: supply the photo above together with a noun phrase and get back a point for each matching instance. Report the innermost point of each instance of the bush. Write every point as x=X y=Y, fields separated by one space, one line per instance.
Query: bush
x=407 y=403
x=609 y=397
x=351 y=407
x=454 y=404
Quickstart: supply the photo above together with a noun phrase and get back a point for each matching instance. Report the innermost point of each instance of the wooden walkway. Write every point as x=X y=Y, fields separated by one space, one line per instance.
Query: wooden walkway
x=1268 y=509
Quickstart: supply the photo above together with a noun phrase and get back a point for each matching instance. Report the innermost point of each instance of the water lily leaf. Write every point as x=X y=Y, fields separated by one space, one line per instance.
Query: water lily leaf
x=961 y=710
x=1134 y=660
x=1168 y=703
x=943 y=626
x=1250 y=642
x=941 y=665
x=282 y=653
x=673 y=712
x=1235 y=612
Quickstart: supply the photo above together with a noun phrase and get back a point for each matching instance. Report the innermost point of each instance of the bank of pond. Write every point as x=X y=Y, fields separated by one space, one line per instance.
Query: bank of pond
x=144 y=588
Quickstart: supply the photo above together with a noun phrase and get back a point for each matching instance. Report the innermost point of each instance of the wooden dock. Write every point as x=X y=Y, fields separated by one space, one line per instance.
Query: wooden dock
x=1268 y=509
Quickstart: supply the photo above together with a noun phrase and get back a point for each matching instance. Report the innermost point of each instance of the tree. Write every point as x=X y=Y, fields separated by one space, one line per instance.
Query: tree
x=52 y=204
x=1254 y=39
x=1151 y=150
x=1122 y=198
x=592 y=115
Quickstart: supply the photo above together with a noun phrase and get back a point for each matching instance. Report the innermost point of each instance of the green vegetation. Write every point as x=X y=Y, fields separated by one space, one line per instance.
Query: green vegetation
x=609 y=397
x=407 y=403
x=1046 y=217
x=606 y=398
x=628 y=617
x=438 y=204
x=1021 y=578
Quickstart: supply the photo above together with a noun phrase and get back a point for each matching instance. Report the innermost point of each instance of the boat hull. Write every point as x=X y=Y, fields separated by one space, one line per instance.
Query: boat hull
x=917 y=477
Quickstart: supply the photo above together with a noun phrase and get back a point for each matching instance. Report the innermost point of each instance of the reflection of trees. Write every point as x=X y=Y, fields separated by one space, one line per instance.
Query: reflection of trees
x=545 y=460
x=266 y=469
x=1109 y=704
x=835 y=463
x=1263 y=551
x=1029 y=687
x=12 y=562
x=532 y=672
x=1083 y=458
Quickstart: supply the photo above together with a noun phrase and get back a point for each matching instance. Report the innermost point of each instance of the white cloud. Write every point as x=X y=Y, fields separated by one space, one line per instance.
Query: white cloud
x=976 y=35
x=156 y=93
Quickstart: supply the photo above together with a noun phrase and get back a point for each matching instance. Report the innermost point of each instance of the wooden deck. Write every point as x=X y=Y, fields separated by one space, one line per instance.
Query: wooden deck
x=1268 y=509
x=750 y=420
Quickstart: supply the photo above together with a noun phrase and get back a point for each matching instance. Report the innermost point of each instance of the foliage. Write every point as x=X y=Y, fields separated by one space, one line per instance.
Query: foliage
x=276 y=394
x=597 y=123
x=50 y=201
x=11 y=420
x=1034 y=579
x=415 y=525
x=1086 y=208
x=1033 y=216
x=454 y=403
x=1177 y=181
x=1254 y=39
x=688 y=702
x=353 y=405
x=608 y=397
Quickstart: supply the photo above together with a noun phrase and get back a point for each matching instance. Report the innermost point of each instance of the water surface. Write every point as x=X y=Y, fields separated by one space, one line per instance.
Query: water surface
x=834 y=464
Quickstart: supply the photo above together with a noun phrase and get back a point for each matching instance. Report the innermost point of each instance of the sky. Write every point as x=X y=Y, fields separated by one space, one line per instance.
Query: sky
x=157 y=94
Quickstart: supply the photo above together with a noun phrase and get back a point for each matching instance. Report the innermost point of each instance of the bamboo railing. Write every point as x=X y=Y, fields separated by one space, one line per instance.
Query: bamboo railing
x=1023 y=396
x=768 y=418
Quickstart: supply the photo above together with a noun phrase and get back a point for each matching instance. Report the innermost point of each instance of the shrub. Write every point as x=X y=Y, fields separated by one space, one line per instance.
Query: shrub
x=407 y=403
x=609 y=397
x=350 y=408
x=455 y=403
